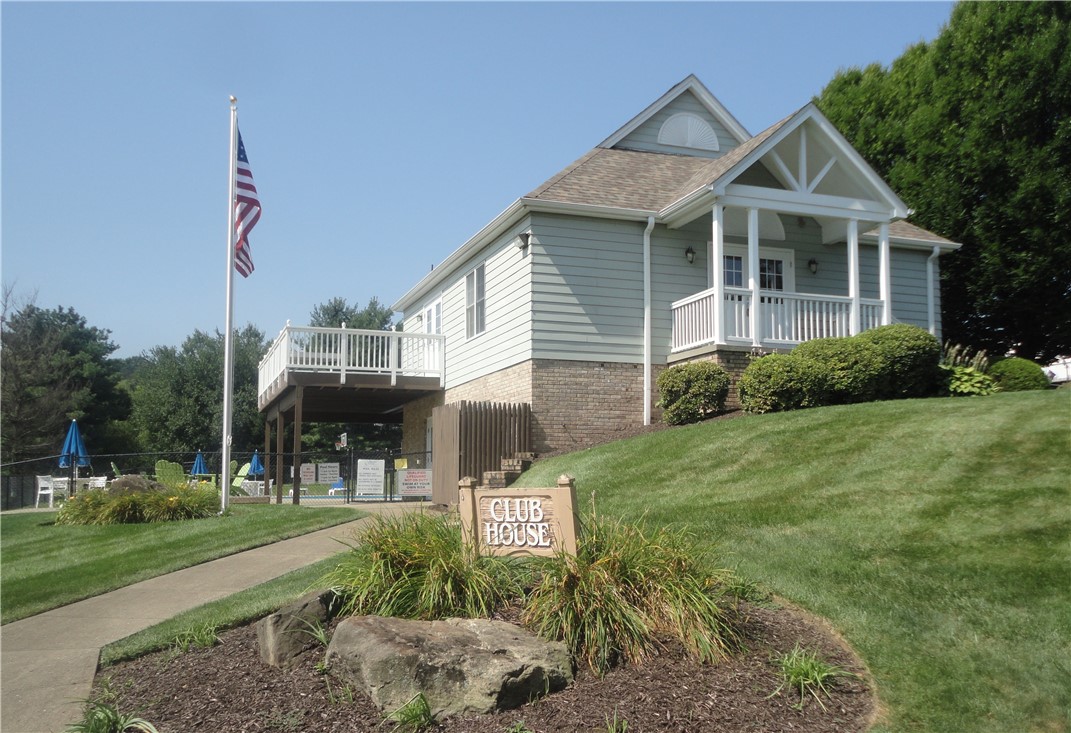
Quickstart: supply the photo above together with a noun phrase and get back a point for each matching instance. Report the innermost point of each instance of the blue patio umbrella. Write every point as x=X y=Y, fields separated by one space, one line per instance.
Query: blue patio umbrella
x=74 y=450
x=255 y=466
x=199 y=467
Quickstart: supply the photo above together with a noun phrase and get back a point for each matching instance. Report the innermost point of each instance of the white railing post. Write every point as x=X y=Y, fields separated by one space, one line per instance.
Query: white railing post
x=396 y=359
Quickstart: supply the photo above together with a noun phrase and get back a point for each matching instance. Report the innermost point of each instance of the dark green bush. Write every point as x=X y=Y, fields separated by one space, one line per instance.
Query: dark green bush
x=911 y=356
x=691 y=392
x=1018 y=375
x=855 y=367
x=781 y=382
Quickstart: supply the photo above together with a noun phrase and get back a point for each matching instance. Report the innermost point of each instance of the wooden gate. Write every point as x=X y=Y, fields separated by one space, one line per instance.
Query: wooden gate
x=469 y=438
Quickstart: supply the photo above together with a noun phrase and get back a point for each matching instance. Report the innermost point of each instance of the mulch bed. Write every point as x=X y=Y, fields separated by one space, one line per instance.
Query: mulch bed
x=228 y=689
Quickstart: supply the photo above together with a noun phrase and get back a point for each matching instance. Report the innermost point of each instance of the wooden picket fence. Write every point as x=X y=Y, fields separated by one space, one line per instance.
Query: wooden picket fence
x=469 y=438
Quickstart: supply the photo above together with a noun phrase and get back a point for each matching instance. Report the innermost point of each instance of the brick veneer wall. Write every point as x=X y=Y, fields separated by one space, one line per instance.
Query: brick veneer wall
x=734 y=359
x=415 y=416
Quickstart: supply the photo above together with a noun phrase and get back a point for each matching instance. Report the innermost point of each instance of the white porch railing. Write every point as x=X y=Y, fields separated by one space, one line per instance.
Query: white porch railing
x=346 y=351
x=785 y=319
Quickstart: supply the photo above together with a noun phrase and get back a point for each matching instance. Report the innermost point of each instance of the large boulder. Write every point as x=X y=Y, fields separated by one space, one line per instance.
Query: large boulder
x=459 y=665
x=282 y=636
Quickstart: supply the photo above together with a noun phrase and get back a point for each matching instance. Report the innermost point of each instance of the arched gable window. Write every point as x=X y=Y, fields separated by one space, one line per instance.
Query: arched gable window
x=686 y=130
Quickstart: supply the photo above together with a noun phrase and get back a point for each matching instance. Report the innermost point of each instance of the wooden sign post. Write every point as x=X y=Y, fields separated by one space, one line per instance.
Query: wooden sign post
x=519 y=521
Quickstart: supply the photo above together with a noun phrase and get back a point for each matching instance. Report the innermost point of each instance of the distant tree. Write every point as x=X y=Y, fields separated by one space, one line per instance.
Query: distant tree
x=55 y=368
x=973 y=130
x=178 y=393
x=337 y=311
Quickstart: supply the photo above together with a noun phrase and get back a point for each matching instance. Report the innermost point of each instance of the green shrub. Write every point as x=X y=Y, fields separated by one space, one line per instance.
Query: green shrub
x=966 y=381
x=780 y=382
x=855 y=367
x=623 y=591
x=1018 y=375
x=416 y=566
x=691 y=392
x=134 y=504
x=911 y=355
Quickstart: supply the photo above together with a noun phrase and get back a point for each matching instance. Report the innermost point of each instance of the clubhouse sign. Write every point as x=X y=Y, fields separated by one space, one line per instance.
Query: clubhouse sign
x=519 y=521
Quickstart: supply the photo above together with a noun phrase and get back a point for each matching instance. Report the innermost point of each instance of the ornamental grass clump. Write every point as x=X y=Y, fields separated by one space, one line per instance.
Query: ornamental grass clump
x=417 y=567
x=623 y=591
x=137 y=505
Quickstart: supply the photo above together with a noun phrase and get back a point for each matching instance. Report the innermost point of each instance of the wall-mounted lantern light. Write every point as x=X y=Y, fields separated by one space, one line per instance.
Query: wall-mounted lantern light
x=813 y=267
x=689 y=254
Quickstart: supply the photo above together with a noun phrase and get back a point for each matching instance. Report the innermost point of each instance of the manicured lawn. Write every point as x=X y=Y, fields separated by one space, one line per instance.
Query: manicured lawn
x=934 y=534
x=47 y=565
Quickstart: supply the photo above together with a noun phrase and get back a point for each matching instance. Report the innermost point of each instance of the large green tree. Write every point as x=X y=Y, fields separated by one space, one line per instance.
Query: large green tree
x=55 y=367
x=337 y=311
x=973 y=130
x=178 y=393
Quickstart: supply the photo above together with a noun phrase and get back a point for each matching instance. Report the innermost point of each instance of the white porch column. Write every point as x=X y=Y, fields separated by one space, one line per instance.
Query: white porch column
x=885 y=274
x=753 y=274
x=853 y=275
x=717 y=265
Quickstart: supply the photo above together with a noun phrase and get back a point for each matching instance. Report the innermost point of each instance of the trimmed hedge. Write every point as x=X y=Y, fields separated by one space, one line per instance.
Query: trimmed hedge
x=780 y=382
x=692 y=392
x=911 y=356
x=1018 y=375
x=856 y=368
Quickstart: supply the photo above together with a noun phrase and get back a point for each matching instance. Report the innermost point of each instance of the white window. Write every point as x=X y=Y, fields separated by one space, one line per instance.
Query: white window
x=433 y=318
x=776 y=268
x=474 y=303
x=734 y=271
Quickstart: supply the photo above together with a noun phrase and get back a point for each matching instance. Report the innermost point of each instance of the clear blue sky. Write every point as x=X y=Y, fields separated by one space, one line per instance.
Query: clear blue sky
x=381 y=135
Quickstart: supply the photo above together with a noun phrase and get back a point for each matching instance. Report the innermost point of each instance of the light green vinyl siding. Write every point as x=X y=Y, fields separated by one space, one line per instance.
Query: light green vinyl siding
x=645 y=137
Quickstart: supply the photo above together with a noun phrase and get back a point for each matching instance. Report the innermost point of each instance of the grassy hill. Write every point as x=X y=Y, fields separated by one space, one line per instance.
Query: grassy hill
x=934 y=534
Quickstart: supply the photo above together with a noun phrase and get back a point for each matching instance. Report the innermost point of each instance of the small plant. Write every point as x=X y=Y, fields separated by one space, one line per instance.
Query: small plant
x=412 y=717
x=317 y=631
x=966 y=381
x=692 y=392
x=804 y=671
x=416 y=566
x=958 y=355
x=343 y=695
x=321 y=667
x=103 y=717
x=200 y=637
x=622 y=590
x=519 y=727
x=615 y=724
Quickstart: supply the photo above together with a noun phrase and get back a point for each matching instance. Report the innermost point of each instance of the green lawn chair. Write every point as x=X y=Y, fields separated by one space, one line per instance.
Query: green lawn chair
x=236 y=485
x=170 y=474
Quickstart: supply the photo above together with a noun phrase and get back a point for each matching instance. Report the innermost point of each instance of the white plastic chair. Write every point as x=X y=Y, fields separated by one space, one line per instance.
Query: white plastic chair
x=45 y=487
x=97 y=482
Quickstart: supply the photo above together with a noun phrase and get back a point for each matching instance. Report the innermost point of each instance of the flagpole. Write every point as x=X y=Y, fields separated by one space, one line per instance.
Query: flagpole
x=228 y=346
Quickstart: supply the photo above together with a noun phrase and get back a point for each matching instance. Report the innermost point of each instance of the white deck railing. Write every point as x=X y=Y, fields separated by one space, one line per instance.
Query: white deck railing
x=345 y=351
x=784 y=318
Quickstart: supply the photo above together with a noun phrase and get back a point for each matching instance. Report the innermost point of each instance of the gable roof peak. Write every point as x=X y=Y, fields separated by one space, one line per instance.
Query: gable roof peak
x=691 y=84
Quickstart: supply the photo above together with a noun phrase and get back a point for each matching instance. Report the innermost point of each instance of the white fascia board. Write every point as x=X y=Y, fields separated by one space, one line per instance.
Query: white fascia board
x=909 y=243
x=804 y=204
x=501 y=223
x=690 y=83
x=862 y=168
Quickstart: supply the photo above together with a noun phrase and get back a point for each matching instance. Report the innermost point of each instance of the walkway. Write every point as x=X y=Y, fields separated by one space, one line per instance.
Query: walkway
x=48 y=661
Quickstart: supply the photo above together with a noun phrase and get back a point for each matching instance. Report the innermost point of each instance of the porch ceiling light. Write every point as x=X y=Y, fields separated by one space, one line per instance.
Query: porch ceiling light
x=689 y=254
x=813 y=266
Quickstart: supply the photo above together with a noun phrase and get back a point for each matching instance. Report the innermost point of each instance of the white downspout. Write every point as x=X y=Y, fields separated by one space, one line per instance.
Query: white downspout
x=647 y=355
x=931 y=309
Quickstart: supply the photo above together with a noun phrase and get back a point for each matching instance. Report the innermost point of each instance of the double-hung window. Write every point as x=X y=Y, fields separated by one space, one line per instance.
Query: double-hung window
x=475 y=313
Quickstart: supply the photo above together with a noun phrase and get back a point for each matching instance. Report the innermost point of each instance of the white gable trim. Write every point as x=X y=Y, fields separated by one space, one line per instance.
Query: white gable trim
x=708 y=100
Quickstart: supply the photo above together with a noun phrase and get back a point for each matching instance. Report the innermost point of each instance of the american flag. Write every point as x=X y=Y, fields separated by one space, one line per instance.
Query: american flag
x=246 y=212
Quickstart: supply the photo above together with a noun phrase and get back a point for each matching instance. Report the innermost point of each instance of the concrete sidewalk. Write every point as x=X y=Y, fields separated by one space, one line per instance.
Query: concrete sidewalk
x=48 y=661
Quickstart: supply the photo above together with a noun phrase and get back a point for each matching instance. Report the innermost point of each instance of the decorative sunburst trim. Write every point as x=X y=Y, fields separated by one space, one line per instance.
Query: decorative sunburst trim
x=686 y=130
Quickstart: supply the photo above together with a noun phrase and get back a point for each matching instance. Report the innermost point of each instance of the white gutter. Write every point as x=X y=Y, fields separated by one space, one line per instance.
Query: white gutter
x=930 y=306
x=647 y=320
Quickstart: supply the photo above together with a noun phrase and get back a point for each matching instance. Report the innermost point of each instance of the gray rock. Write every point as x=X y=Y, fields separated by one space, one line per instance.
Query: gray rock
x=459 y=665
x=282 y=636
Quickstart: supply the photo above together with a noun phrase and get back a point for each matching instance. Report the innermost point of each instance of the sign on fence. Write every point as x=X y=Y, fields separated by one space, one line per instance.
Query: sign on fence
x=308 y=473
x=519 y=521
x=370 y=474
x=414 y=482
x=326 y=473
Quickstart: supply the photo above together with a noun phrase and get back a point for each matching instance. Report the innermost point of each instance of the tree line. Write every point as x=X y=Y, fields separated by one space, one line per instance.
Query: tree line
x=57 y=367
